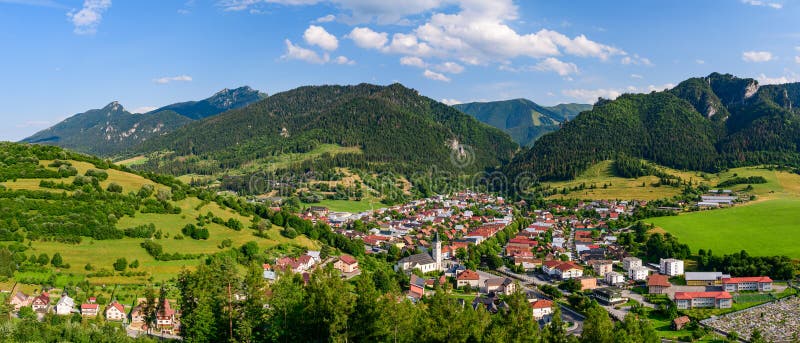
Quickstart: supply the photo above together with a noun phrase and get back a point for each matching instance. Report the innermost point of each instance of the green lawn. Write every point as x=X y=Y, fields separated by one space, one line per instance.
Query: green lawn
x=764 y=228
x=349 y=205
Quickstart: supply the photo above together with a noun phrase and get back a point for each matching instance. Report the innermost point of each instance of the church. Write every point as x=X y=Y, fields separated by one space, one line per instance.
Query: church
x=424 y=262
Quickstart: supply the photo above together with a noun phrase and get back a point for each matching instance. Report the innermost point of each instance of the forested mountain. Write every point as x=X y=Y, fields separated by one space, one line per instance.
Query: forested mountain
x=523 y=119
x=112 y=130
x=395 y=128
x=224 y=100
x=706 y=124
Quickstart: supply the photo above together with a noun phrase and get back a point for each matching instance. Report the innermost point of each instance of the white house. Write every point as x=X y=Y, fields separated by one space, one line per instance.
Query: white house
x=671 y=267
x=115 y=311
x=613 y=278
x=629 y=263
x=65 y=305
x=542 y=308
x=638 y=273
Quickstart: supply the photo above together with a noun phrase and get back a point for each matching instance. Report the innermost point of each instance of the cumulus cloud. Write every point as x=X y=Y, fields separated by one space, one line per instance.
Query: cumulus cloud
x=317 y=35
x=659 y=88
x=775 y=5
x=789 y=78
x=343 y=60
x=757 y=56
x=636 y=76
x=797 y=59
x=168 y=79
x=590 y=96
x=451 y=102
x=699 y=61
x=449 y=67
x=557 y=66
x=325 y=19
x=89 y=16
x=413 y=62
x=144 y=109
x=435 y=76
x=366 y=38
x=635 y=59
x=296 y=52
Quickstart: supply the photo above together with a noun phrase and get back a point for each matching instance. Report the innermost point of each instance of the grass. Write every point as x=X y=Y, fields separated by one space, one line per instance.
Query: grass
x=133 y=161
x=287 y=160
x=129 y=182
x=762 y=228
x=352 y=206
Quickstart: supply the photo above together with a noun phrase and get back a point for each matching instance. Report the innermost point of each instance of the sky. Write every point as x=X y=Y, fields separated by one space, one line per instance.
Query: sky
x=62 y=57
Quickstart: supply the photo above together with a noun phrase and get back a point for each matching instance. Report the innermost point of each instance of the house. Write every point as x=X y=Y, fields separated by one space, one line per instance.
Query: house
x=41 y=303
x=65 y=305
x=638 y=273
x=569 y=270
x=269 y=274
x=500 y=285
x=416 y=288
x=137 y=314
x=671 y=266
x=165 y=318
x=754 y=283
x=658 y=284
x=20 y=300
x=549 y=267
x=629 y=263
x=602 y=267
x=680 y=322
x=588 y=282
x=468 y=278
x=89 y=310
x=690 y=300
x=704 y=278
x=541 y=308
x=424 y=262
x=346 y=264
x=115 y=311
x=609 y=295
x=614 y=278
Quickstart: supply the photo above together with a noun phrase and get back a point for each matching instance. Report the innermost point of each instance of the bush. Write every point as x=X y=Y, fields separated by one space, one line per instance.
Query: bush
x=97 y=173
x=114 y=188
x=120 y=264
x=289 y=233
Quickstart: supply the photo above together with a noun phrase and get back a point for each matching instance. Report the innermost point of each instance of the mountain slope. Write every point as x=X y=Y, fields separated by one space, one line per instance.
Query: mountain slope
x=395 y=128
x=112 y=130
x=707 y=124
x=523 y=119
x=224 y=100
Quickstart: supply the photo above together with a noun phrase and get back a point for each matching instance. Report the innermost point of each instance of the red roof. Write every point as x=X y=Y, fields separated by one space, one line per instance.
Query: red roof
x=694 y=295
x=658 y=280
x=552 y=263
x=347 y=259
x=117 y=306
x=567 y=266
x=759 y=279
x=468 y=275
x=542 y=304
x=89 y=306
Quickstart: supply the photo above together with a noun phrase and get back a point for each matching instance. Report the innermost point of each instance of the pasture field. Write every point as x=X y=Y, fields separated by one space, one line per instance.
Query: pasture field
x=768 y=228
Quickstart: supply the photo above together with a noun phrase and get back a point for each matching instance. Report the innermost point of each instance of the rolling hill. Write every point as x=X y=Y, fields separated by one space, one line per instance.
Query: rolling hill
x=522 y=119
x=704 y=124
x=393 y=127
x=112 y=130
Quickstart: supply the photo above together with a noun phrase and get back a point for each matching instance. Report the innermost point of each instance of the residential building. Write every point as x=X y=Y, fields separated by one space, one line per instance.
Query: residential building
x=165 y=318
x=658 y=284
x=115 y=311
x=500 y=285
x=638 y=273
x=629 y=263
x=680 y=322
x=753 y=283
x=424 y=262
x=609 y=295
x=671 y=266
x=569 y=270
x=416 y=288
x=65 y=305
x=690 y=300
x=41 y=303
x=614 y=278
x=90 y=310
x=20 y=300
x=346 y=264
x=588 y=282
x=704 y=278
x=269 y=273
x=541 y=308
x=137 y=314
x=602 y=267
x=468 y=278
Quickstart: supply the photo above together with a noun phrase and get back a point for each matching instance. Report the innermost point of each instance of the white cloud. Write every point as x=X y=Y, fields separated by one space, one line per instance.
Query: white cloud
x=557 y=66
x=435 y=76
x=449 y=67
x=343 y=60
x=590 y=95
x=766 y=80
x=144 y=109
x=659 y=88
x=359 y=11
x=699 y=61
x=168 y=79
x=451 y=102
x=797 y=59
x=326 y=19
x=775 y=5
x=413 y=61
x=317 y=35
x=365 y=38
x=635 y=59
x=296 y=52
x=408 y=44
x=756 y=56
x=88 y=18
x=636 y=76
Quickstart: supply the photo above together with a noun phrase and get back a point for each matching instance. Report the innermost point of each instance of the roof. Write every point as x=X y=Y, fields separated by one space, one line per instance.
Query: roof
x=117 y=306
x=681 y=320
x=702 y=276
x=166 y=310
x=568 y=266
x=66 y=301
x=551 y=263
x=89 y=307
x=759 y=279
x=542 y=304
x=468 y=275
x=418 y=259
x=347 y=259
x=658 y=280
x=694 y=295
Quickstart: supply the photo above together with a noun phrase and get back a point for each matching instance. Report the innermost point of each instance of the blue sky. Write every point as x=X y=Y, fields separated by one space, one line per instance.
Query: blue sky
x=61 y=57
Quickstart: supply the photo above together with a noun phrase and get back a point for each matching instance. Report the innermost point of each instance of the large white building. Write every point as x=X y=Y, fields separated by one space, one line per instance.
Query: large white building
x=638 y=273
x=65 y=305
x=629 y=263
x=613 y=278
x=753 y=283
x=424 y=262
x=671 y=267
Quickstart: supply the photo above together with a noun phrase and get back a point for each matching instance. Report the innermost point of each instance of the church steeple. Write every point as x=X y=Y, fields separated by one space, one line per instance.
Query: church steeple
x=437 y=251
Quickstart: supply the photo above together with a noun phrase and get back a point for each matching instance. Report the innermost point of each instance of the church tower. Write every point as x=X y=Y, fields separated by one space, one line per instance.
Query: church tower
x=437 y=252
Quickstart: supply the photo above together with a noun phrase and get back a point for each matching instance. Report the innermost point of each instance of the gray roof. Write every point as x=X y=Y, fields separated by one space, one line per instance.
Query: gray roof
x=418 y=259
x=702 y=276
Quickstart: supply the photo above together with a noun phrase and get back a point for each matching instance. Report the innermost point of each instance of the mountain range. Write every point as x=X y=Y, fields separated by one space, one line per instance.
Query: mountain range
x=524 y=120
x=112 y=130
x=705 y=124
